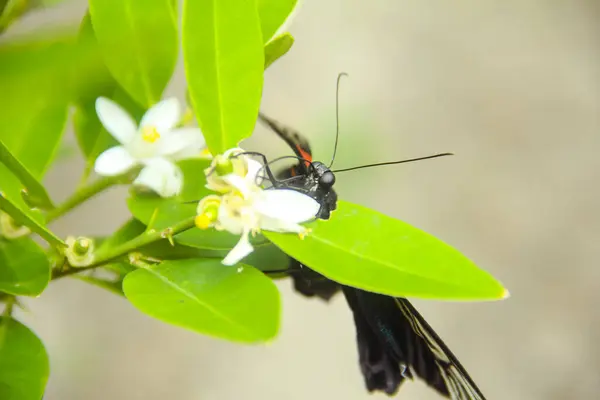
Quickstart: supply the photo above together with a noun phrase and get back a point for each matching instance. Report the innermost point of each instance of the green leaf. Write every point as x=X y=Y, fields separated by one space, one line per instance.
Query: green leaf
x=93 y=77
x=139 y=43
x=36 y=83
x=44 y=3
x=238 y=304
x=12 y=204
x=24 y=365
x=126 y=232
x=273 y=14
x=94 y=80
x=224 y=63
x=360 y=247
x=277 y=47
x=36 y=89
x=24 y=267
x=114 y=285
x=10 y=11
x=267 y=257
x=194 y=181
x=36 y=193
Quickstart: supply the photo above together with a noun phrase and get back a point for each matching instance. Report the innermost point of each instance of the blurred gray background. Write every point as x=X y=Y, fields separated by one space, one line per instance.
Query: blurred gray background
x=512 y=87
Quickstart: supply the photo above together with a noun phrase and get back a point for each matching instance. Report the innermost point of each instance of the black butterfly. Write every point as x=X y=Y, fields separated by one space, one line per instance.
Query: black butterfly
x=395 y=342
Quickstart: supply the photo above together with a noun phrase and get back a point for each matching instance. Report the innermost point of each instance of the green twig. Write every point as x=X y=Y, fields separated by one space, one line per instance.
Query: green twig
x=87 y=192
x=148 y=237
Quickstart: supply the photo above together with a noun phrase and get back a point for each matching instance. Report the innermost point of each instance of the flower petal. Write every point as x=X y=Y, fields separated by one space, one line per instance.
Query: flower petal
x=162 y=176
x=116 y=120
x=230 y=215
x=114 y=161
x=241 y=250
x=280 y=225
x=182 y=143
x=164 y=115
x=287 y=205
x=253 y=168
x=244 y=186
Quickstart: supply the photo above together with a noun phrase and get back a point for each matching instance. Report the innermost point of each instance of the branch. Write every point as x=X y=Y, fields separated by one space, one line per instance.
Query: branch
x=148 y=237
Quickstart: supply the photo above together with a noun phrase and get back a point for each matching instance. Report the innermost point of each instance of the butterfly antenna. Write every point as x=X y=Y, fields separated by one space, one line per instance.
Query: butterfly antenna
x=337 y=116
x=393 y=162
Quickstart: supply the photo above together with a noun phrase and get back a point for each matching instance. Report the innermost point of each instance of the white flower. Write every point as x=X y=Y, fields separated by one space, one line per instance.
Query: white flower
x=232 y=164
x=245 y=208
x=155 y=144
x=277 y=210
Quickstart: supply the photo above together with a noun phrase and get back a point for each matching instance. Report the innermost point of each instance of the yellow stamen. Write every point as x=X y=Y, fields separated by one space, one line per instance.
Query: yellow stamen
x=304 y=233
x=203 y=221
x=205 y=153
x=150 y=134
x=188 y=116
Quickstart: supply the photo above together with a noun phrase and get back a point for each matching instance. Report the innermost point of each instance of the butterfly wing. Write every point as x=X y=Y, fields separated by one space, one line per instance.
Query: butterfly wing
x=395 y=342
x=310 y=283
x=293 y=138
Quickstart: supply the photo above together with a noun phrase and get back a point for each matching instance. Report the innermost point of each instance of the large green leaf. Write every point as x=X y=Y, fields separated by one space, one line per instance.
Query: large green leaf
x=24 y=267
x=94 y=80
x=224 y=62
x=277 y=47
x=238 y=304
x=24 y=365
x=36 y=89
x=273 y=14
x=267 y=257
x=36 y=83
x=139 y=43
x=360 y=247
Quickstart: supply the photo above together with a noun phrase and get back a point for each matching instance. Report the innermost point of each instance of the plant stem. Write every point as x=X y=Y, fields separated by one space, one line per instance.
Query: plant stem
x=130 y=246
x=85 y=193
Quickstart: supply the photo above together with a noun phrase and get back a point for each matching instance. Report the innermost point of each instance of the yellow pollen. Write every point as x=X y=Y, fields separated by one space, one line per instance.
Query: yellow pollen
x=188 y=116
x=205 y=153
x=203 y=221
x=150 y=134
x=303 y=234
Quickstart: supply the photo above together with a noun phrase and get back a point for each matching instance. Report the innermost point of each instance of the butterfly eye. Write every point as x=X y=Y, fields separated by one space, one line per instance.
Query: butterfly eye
x=327 y=180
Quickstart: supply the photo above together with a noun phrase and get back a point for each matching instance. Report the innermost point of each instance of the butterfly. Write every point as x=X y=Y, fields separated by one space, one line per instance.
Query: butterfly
x=395 y=343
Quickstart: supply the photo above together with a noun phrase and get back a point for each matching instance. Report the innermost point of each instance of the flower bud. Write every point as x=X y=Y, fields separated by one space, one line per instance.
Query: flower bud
x=10 y=229
x=208 y=211
x=79 y=251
